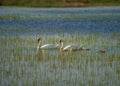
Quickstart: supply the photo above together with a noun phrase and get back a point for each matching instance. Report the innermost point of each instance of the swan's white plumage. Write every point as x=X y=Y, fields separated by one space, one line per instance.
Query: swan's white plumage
x=71 y=47
x=49 y=46
x=46 y=46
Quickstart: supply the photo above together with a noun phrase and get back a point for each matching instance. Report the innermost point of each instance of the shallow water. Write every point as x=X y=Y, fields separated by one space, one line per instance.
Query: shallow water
x=96 y=28
x=31 y=21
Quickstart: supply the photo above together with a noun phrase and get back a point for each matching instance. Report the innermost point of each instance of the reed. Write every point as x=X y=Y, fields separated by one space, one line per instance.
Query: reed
x=20 y=59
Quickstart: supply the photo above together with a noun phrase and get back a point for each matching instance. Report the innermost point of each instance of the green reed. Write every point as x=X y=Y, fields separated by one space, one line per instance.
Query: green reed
x=22 y=63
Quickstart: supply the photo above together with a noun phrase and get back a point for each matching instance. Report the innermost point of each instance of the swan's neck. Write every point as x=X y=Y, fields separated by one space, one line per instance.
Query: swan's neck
x=39 y=45
x=61 y=45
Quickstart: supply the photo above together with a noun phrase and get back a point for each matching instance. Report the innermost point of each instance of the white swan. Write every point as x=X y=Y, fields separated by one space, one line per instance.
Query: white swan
x=71 y=47
x=46 y=46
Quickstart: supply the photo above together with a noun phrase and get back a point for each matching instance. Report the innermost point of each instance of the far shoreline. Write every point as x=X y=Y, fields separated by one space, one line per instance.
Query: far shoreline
x=112 y=6
x=65 y=6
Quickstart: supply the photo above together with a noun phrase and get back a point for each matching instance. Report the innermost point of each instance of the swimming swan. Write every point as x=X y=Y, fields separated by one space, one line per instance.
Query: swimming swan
x=71 y=47
x=46 y=46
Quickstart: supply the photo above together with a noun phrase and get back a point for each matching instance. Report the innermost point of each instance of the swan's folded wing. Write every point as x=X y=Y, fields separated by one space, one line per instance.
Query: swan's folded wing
x=71 y=46
x=48 y=46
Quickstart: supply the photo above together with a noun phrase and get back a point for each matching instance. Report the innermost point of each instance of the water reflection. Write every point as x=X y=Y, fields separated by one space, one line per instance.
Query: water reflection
x=47 y=54
x=39 y=55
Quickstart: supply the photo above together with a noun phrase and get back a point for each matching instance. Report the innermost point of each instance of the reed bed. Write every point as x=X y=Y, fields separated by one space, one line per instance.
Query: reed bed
x=22 y=64
x=97 y=28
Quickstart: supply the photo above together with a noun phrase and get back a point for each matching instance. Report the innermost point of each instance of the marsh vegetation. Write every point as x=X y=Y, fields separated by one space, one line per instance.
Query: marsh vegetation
x=22 y=64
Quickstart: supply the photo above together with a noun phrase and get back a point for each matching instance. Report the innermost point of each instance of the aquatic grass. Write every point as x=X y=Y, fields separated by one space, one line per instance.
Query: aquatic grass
x=22 y=64
x=21 y=60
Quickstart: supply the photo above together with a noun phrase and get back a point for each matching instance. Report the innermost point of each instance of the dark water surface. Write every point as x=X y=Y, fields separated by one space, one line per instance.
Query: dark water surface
x=107 y=20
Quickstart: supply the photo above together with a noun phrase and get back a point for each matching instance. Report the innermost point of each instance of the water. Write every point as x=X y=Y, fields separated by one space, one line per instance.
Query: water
x=96 y=28
x=52 y=21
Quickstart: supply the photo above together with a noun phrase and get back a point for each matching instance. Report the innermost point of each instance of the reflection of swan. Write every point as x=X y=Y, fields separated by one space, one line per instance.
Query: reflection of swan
x=71 y=47
x=46 y=46
x=39 y=55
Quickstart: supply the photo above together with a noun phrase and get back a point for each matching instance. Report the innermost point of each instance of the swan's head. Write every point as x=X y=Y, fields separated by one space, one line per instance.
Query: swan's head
x=61 y=41
x=39 y=39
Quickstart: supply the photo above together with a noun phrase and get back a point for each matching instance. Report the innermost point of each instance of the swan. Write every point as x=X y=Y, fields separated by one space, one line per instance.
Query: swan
x=46 y=46
x=71 y=47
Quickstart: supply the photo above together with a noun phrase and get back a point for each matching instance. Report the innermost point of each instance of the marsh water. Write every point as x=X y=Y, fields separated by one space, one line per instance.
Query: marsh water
x=97 y=28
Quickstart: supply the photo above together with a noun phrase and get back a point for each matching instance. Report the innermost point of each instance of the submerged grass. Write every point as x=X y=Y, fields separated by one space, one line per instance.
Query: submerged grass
x=22 y=64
